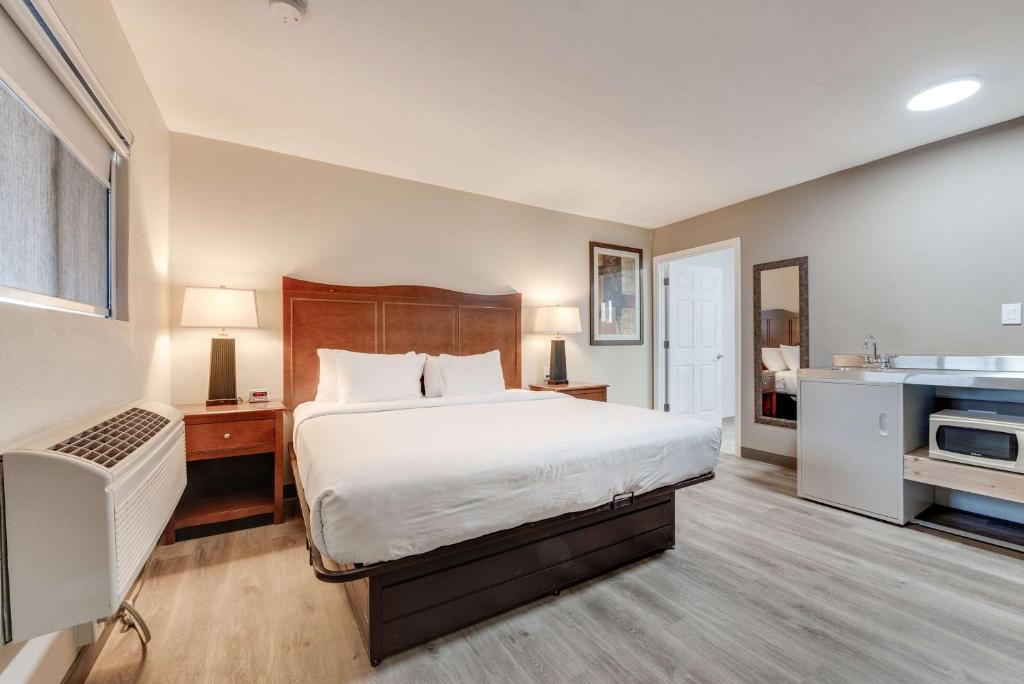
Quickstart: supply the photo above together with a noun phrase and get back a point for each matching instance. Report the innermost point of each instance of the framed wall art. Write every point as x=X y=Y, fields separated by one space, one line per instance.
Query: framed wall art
x=616 y=294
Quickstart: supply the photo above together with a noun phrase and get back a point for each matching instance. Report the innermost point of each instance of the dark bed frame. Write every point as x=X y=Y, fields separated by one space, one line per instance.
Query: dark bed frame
x=402 y=603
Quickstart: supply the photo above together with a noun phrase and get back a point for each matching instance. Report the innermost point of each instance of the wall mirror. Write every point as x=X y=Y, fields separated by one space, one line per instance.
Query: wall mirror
x=780 y=339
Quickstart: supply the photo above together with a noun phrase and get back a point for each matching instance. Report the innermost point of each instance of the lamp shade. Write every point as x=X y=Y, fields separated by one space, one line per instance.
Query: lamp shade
x=219 y=307
x=557 y=319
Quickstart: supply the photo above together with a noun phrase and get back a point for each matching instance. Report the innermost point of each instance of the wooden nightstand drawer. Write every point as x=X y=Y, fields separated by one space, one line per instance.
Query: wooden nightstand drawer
x=580 y=390
x=593 y=395
x=227 y=436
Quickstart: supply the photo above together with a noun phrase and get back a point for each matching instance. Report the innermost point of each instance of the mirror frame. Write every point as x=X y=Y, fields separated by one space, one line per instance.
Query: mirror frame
x=805 y=350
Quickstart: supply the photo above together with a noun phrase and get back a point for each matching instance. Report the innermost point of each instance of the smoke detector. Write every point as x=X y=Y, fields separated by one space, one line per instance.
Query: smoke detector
x=288 y=11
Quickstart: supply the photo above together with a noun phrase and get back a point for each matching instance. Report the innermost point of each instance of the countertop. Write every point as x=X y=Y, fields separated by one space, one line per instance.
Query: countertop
x=904 y=376
x=952 y=370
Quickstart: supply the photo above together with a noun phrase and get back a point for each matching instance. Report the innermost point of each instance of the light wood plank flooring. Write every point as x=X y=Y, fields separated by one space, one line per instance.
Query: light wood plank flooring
x=761 y=587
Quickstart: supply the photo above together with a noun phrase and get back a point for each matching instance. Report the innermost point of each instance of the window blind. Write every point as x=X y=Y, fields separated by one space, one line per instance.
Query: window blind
x=64 y=209
x=54 y=216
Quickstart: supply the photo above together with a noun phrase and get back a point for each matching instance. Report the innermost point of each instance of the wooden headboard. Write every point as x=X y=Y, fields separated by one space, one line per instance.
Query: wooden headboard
x=779 y=326
x=393 y=319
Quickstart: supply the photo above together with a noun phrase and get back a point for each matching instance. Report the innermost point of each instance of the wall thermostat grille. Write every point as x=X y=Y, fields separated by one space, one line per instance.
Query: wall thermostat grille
x=110 y=442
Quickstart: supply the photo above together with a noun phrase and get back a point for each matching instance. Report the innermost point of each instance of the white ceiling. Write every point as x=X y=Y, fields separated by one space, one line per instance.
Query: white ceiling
x=644 y=112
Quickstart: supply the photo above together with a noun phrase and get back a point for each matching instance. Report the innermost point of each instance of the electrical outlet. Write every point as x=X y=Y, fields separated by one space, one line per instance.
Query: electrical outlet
x=1011 y=314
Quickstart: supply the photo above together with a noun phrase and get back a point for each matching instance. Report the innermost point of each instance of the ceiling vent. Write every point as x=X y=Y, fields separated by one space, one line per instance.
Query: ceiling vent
x=288 y=11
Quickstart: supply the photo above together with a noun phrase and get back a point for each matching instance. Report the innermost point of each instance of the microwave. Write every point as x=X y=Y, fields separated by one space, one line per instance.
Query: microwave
x=989 y=440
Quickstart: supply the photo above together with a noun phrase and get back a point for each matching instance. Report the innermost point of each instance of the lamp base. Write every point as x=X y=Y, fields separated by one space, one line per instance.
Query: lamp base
x=223 y=402
x=222 y=389
x=556 y=365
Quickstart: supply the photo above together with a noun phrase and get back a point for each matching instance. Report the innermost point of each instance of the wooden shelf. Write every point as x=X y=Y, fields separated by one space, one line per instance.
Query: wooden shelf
x=222 y=508
x=975 y=526
x=998 y=484
x=239 y=452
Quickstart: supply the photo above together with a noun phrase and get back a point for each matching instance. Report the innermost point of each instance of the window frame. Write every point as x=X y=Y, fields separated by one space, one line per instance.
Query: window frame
x=12 y=295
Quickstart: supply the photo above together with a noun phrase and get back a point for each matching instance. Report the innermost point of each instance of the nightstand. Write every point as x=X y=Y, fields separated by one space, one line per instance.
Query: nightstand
x=235 y=460
x=580 y=390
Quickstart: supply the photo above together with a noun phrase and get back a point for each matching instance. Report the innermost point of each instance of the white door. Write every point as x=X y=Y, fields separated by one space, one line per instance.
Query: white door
x=694 y=329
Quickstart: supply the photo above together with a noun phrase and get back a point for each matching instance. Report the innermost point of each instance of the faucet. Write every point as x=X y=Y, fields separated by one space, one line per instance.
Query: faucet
x=870 y=341
x=884 y=361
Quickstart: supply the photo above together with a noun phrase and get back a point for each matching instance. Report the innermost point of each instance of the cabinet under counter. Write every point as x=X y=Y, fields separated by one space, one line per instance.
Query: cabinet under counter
x=863 y=446
x=852 y=438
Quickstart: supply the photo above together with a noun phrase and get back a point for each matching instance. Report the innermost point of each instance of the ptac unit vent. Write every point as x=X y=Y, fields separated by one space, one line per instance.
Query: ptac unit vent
x=110 y=442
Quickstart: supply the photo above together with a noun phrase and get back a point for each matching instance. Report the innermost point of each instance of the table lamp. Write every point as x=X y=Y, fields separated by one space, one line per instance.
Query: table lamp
x=220 y=307
x=557 y=320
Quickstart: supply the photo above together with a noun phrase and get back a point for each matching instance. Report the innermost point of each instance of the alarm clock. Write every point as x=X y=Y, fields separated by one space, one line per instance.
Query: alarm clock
x=258 y=395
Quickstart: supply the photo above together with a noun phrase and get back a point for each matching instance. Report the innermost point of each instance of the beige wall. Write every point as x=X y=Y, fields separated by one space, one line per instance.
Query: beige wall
x=244 y=217
x=56 y=366
x=918 y=250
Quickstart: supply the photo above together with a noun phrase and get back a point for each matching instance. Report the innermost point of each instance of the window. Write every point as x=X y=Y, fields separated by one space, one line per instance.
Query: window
x=54 y=218
x=63 y=172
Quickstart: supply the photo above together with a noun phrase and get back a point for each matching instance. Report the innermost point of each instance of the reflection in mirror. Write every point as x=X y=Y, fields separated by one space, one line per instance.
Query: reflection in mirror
x=780 y=339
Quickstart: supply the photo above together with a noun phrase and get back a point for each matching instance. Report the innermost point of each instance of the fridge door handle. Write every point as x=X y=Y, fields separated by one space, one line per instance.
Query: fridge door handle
x=883 y=424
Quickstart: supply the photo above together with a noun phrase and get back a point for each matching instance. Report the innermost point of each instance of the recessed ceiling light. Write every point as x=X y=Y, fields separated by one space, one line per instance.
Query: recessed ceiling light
x=944 y=94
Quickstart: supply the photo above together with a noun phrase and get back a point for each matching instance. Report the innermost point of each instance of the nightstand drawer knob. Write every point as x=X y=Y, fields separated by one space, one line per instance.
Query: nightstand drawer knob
x=227 y=435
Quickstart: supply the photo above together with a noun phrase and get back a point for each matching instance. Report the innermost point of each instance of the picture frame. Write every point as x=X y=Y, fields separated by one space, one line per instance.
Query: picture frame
x=616 y=294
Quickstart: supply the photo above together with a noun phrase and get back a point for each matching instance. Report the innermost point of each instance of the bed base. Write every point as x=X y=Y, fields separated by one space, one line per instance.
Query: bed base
x=406 y=602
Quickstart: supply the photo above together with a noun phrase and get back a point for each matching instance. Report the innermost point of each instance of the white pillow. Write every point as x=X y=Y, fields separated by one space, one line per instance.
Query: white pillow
x=475 y=374
x=327 y=387
x=375 y=377
x=433 y=382
x=791 y=355
x=772 y=358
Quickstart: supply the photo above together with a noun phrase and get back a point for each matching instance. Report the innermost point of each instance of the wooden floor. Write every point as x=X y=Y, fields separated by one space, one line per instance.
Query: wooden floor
x=761 y=587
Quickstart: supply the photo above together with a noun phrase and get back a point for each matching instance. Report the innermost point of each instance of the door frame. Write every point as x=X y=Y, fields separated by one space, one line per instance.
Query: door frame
x=658 y=303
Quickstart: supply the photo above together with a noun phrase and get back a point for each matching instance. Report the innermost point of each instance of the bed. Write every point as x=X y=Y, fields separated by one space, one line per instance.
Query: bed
x=438 y=513
x=786 y=382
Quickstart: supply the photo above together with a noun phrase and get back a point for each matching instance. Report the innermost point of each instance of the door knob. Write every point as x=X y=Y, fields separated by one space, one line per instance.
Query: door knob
x=719 y=356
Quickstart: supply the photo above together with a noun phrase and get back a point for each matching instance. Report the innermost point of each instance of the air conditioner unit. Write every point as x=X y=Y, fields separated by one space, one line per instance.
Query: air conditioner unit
x=81 y=510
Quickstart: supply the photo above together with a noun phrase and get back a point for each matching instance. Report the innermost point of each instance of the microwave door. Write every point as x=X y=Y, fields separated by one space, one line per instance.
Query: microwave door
x=996 y=448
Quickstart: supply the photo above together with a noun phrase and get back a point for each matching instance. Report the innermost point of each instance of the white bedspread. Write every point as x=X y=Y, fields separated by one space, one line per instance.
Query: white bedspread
x=394 y=479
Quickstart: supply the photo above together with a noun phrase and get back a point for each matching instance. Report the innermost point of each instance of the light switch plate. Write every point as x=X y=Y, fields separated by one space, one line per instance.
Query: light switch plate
x=1011 y=314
